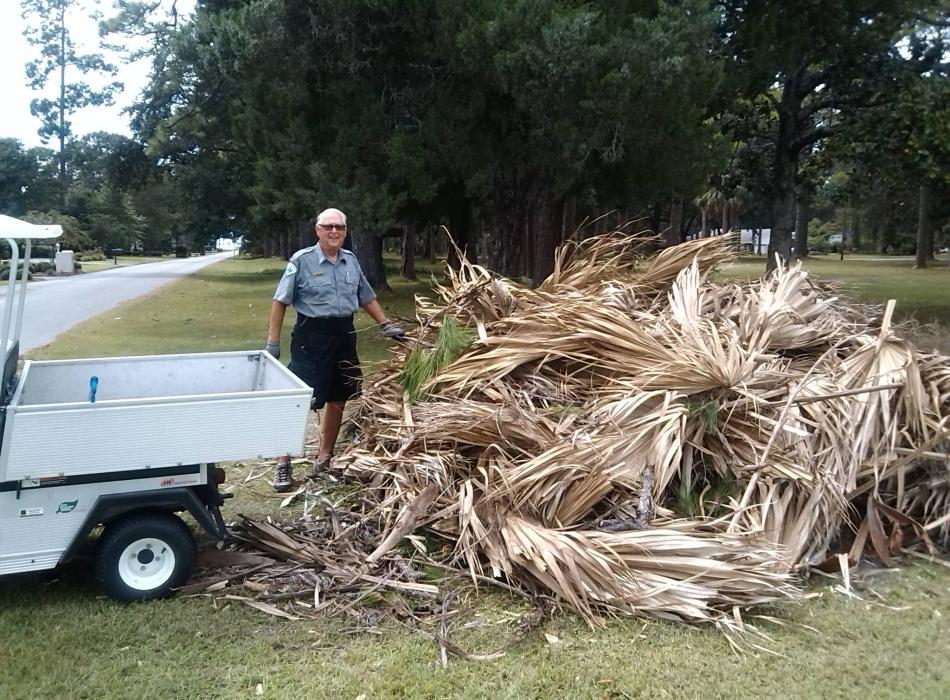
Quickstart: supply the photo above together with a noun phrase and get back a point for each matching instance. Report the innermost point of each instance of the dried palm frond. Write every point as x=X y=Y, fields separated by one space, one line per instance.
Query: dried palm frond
x=681 y=570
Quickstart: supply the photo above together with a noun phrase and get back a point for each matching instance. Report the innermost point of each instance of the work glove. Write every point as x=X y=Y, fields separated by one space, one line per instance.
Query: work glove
x=391 y=330
x=273 y=349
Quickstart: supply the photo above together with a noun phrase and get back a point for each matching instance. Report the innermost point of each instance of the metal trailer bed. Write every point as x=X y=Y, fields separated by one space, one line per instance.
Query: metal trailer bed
x=151 y=411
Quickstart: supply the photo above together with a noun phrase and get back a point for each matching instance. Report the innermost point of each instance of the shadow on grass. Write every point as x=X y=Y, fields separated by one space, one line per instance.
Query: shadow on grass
x=927 y=313
x=240 y=277
x=66 y=584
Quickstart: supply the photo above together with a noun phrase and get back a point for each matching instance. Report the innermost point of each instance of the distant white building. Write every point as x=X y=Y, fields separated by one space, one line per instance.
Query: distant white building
x=755 y=240
x=229 y=243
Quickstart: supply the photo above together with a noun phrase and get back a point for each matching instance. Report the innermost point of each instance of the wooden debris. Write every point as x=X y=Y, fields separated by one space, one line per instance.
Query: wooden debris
x=409 y=516
x=263 y=607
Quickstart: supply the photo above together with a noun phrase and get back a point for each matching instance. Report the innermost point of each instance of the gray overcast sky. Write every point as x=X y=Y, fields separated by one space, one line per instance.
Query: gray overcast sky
x=15 y=95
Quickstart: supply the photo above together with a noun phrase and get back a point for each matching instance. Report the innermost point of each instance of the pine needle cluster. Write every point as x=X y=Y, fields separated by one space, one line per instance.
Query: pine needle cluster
x=422 y=364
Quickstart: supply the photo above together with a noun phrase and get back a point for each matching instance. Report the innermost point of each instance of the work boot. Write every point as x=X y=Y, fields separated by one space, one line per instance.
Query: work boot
x=320 y=466
x=283 y=477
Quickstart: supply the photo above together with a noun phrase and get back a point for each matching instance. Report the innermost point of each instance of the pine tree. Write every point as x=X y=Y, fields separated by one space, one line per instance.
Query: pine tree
x=49 y=24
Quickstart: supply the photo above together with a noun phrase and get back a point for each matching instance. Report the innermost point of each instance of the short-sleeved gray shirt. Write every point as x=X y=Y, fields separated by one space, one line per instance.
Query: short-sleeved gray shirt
x=317 y=287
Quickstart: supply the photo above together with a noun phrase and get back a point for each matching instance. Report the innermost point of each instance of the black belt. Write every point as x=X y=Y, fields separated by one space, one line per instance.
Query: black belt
x=330 y=325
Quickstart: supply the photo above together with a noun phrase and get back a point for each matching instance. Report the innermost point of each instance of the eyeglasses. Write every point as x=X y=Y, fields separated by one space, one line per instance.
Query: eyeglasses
x=333 y=227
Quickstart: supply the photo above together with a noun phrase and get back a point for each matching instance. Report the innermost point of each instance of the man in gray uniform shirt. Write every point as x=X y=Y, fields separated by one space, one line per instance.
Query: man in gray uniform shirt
x=325 y=285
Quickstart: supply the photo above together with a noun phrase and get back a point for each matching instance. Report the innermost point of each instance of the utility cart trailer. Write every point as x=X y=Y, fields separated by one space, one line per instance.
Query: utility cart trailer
x=125 y=443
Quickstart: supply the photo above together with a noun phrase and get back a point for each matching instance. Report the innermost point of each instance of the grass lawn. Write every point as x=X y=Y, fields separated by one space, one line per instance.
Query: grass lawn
x=921 y=294
x=61 y=639
x=120 y=261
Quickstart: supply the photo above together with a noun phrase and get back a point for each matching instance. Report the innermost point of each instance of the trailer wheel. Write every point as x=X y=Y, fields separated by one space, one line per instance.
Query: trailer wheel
x=145 y=555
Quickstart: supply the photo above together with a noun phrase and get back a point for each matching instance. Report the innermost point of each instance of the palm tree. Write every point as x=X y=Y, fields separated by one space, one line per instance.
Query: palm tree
x=710 y=200
x=735 y=204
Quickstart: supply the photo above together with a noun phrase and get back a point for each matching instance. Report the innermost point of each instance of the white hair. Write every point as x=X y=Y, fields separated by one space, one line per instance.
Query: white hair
x=322 y=216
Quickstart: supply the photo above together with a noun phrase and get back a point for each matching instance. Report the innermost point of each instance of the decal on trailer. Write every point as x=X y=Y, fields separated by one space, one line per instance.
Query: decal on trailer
x=30 y=512
x=181 y=481
x=67 y=506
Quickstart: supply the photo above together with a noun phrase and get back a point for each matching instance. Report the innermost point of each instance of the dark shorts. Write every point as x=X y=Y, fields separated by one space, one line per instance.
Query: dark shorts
x=323 y=354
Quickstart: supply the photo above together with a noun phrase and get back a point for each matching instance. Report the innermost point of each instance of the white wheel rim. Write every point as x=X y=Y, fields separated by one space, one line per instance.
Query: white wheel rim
x=146 y=564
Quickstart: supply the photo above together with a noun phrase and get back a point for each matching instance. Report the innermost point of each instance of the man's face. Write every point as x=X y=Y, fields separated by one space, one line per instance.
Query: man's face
x=331 y=232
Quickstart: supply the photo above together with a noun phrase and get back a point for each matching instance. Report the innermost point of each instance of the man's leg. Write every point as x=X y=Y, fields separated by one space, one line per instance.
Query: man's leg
x=316 y=366
x=283 y=475
x=330 y=427
x=330 y=420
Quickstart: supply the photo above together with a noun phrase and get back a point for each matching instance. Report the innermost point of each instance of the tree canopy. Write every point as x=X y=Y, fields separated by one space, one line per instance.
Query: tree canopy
x=510 y=122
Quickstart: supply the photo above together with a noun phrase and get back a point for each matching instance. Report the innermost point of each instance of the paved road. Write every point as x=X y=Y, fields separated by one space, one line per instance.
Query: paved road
x=58 y=303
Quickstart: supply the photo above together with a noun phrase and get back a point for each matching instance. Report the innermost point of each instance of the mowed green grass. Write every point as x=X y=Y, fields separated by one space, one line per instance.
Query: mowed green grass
x=120 y=261
x=921 y=294
x=62 y=639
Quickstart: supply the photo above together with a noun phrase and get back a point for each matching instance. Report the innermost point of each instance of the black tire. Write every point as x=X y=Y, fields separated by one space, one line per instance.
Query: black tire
x=141 y=556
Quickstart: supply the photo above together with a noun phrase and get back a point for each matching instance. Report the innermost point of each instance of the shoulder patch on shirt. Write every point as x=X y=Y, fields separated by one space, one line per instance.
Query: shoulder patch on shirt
x=301 y=252
x=291 y=270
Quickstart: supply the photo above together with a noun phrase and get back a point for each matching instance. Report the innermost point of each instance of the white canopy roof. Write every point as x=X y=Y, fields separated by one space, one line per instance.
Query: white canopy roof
x=14 y=228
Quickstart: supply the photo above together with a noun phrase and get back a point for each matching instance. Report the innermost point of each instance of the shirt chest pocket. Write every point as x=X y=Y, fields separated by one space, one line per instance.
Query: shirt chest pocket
x=318 y=286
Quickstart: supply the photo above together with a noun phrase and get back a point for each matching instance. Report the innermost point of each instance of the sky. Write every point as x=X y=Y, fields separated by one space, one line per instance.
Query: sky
x=15 y=95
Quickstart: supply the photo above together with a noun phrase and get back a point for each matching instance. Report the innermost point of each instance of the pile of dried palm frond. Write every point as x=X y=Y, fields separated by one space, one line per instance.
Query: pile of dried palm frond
x=317 y=564
x=634 y=437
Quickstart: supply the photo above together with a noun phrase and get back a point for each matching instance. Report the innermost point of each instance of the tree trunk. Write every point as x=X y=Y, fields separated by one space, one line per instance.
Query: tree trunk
x=499 y=242
x=62 y=103
x=802 y=212
x=432 y=242
x=886 y=231
x=283 y=242
x=546 y=226
x=368 y=248
x=672 y=235
x=856 y=232
x=306 y=235
x=501 y=225
x=258 y=242
x=523 y=262
x=703 y=230
x=687 y=227
x=407 y=262
x=461 y=233
x=270 y=232
x=783 y=221
x=880 y=245
x=784 y=177
x=925 y=234
x=656 y=218
x=427 y=253
x=568 y=218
